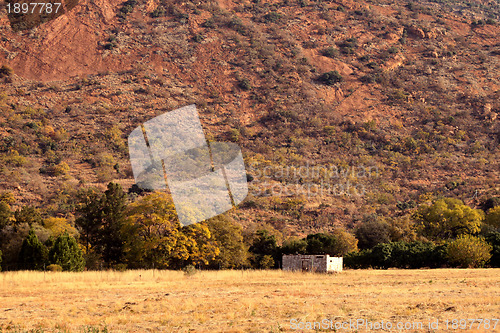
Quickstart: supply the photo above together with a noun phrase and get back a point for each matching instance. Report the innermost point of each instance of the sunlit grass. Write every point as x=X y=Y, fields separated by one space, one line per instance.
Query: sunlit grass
x=238 y=301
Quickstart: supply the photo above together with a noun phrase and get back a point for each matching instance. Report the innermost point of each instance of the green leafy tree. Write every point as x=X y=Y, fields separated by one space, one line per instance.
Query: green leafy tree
x=294 y=246
x=151 y=231
x=67 y=254
x=100 y=221
x=448 y=218
x=229 y=237
x=372 y=231
x=468 y=251
x=493 y=217
x=88 y=221
x=29 y=215
x=33 y=254
x=113 y=205
x=194 y=246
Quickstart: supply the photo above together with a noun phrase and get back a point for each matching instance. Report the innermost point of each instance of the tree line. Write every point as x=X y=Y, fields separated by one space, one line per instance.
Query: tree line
x=111 y=231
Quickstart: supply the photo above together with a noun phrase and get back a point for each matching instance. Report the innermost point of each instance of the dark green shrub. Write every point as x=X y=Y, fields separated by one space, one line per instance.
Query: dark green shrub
x=244 y=84
x=347 y=46
x=294 y=246
x=127 y=8
x=330 y=78
x=272 y=17
x=330 y=52
x=494 y=240
x=6 y=71
x=468 y=251
x=400 y=255
x=264 y=250
x=337 y=244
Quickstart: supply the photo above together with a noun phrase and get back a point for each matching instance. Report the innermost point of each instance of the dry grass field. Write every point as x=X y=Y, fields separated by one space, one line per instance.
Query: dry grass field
x=243 y=301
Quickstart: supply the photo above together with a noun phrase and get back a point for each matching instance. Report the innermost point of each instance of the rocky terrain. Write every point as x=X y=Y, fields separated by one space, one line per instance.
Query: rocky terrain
x=343 y=109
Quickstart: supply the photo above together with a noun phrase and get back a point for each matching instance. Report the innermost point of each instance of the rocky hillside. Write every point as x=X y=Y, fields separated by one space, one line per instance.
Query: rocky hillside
x=343 y=109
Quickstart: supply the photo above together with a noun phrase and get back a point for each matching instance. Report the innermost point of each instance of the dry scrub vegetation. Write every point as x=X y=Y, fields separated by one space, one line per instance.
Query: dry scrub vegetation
x=238 y=301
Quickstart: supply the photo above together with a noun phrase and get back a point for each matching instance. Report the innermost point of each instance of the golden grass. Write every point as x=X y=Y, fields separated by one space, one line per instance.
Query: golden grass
x=242 y=301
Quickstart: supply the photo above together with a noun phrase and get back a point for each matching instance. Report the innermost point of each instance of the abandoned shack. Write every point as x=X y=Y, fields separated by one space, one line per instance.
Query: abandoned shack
x=321 y=263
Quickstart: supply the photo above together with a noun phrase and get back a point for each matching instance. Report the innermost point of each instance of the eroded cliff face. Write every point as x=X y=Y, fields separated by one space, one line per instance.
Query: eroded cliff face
x=65 y=45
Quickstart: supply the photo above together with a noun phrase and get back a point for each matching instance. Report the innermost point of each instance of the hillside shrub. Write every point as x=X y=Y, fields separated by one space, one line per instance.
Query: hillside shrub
x=330 y=78
x=54 y=268
x=6 y=71
x=330 y=52
x=448 y=218
x=127 y=8
x=189 y=270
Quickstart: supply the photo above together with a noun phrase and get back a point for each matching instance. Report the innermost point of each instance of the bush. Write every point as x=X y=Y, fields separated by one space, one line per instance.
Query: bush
x=373 y=231
x=54 y=268
x=294 y=246
x=448 y=218
x=398 y=254
x=468 y=251
x=234 y=135
x=6 y=71
x=244 y=84
x=337 y=244
x=272 y=17
x=120 y=267
x=29 y=215
x=330 y=52
x=330 y=78
x=348 y=45
x=189 y=270
x=127 y=8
